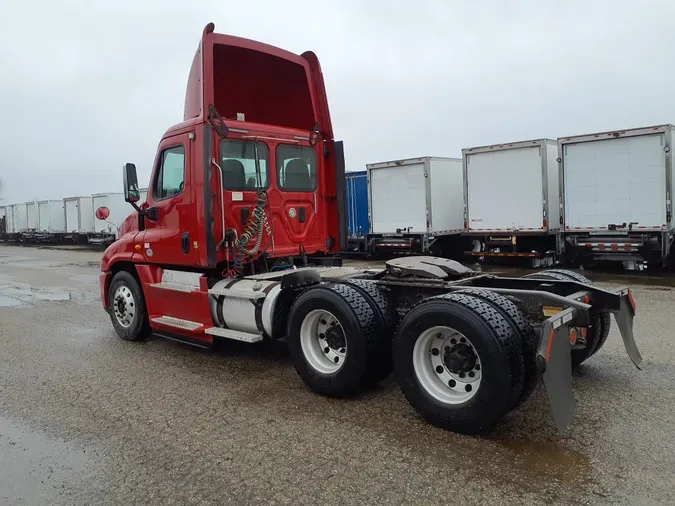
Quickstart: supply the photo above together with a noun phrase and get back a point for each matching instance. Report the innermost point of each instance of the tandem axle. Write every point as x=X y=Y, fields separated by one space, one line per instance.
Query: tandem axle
x=466 y=348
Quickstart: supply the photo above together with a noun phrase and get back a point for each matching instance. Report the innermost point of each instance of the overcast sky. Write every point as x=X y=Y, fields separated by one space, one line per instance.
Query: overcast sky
x=88 y=86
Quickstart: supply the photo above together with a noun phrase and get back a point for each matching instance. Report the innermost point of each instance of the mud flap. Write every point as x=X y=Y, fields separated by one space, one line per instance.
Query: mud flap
x=624 y=319
x=554 y=360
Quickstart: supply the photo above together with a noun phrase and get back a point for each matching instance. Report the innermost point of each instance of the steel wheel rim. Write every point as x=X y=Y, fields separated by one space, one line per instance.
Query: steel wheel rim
x=318 y=347
x=434 y=349
x=124 y=306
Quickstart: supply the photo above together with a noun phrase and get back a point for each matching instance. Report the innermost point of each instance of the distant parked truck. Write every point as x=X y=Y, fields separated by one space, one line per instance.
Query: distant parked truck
x=618 y=188
x=51 y=221
x=106 y=230
x=79 y=217
x=415 y=204
x=512 y=200
x=356 y=187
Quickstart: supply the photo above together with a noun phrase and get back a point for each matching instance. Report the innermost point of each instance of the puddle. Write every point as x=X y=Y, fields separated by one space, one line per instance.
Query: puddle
x=6 y=301
x=16 y=295
x=549 y=459
x=34 y=467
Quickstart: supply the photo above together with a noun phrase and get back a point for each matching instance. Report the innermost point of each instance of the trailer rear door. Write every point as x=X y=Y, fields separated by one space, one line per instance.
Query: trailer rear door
x=72 y=216
x=398 y=198
x=504 y=190
x=615 y=181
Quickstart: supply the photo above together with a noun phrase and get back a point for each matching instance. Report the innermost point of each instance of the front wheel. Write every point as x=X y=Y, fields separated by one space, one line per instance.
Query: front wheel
x=126 y=306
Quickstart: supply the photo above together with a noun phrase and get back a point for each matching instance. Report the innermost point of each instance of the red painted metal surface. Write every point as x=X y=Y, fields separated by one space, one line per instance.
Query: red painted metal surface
x=262 y=92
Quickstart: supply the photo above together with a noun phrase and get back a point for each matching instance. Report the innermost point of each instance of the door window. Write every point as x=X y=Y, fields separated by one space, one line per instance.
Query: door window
x=296 y=168
x=171 y=176
x=237 y=161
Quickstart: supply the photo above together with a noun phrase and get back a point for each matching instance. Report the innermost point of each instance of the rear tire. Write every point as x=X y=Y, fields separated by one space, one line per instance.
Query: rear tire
x=386 y=320
x=600 y=324
x=126 y=307
x=315 y=342
x=529 y=338
x=435 y=381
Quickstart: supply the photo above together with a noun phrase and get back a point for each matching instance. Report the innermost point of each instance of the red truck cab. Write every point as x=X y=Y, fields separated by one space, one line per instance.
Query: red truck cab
x=256 y=123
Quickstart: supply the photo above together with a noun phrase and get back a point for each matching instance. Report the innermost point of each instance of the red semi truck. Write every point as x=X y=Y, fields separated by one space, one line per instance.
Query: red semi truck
x=239 y=239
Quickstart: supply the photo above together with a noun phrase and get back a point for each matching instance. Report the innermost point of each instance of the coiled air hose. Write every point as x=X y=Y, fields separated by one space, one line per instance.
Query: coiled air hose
x=256 y=225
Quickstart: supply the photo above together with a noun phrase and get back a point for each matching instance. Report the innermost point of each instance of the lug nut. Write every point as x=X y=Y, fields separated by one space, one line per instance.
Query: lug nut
x=462 y=340
x=453 y=341
x=326 y=349
x=461 y=375
x=342 y=350
x=439 y=335
x=467 y=388
x=323 y=322
x=477 y=367
x=472 y=374
x=439 y=369
x=452 y=383
x=336 y=359
x=435 y=351
x=322 y=336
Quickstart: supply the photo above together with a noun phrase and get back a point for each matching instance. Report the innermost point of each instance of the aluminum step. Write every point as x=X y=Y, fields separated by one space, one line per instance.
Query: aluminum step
x=179 y=323
x=234 y=334
x=176 y=287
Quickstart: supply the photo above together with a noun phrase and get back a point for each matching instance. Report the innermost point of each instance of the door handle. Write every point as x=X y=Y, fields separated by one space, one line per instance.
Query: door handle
x=185 y=242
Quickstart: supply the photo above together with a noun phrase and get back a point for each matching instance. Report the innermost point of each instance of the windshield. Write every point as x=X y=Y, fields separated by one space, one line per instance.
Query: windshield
x=237 y=160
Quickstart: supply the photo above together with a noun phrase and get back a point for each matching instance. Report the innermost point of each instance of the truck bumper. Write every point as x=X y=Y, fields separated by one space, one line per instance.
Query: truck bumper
x=554 y=358
x=104 y=282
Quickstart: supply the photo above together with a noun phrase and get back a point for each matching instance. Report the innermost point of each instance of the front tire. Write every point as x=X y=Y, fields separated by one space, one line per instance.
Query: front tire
x=126 y=307
x=458 y=362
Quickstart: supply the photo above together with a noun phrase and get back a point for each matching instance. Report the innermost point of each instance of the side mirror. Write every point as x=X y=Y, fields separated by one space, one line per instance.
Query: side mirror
x=132 y=193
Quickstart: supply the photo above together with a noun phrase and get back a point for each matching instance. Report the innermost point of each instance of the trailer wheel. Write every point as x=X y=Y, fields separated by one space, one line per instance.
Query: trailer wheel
x=459 y=362
x=520 y=323
x=600 y=325
x=126 y=307
x=332 y=339
x=386 y=320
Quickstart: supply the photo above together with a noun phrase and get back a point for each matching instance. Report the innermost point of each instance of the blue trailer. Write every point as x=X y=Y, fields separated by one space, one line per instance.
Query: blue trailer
x=358 y=223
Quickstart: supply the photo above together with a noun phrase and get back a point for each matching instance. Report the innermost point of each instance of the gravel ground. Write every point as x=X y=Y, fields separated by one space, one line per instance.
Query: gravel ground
x=86 y=418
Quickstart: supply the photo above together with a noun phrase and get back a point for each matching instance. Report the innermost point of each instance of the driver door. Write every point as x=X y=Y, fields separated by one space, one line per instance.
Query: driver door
x=169 y=240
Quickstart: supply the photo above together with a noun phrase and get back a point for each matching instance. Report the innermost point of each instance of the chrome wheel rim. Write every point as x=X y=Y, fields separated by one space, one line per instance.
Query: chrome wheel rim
x=124 y=306
x=323 y=342
x=447 y=365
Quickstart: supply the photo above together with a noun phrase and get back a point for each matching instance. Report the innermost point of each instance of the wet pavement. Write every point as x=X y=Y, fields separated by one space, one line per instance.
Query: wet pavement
x=86 y=418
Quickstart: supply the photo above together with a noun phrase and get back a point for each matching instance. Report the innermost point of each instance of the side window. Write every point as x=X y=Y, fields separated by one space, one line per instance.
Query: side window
x=296 y=168
x=237 y=161
x=171 y=175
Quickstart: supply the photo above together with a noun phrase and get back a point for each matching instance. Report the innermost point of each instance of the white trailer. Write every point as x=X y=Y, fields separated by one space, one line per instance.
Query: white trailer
x=511 y=200
x=31 y=216
x=51 y=217
x=617 y=193
x=79 y=217
x=9 y=221
x=119 y=210
x=20 y=218
x=414 y=203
